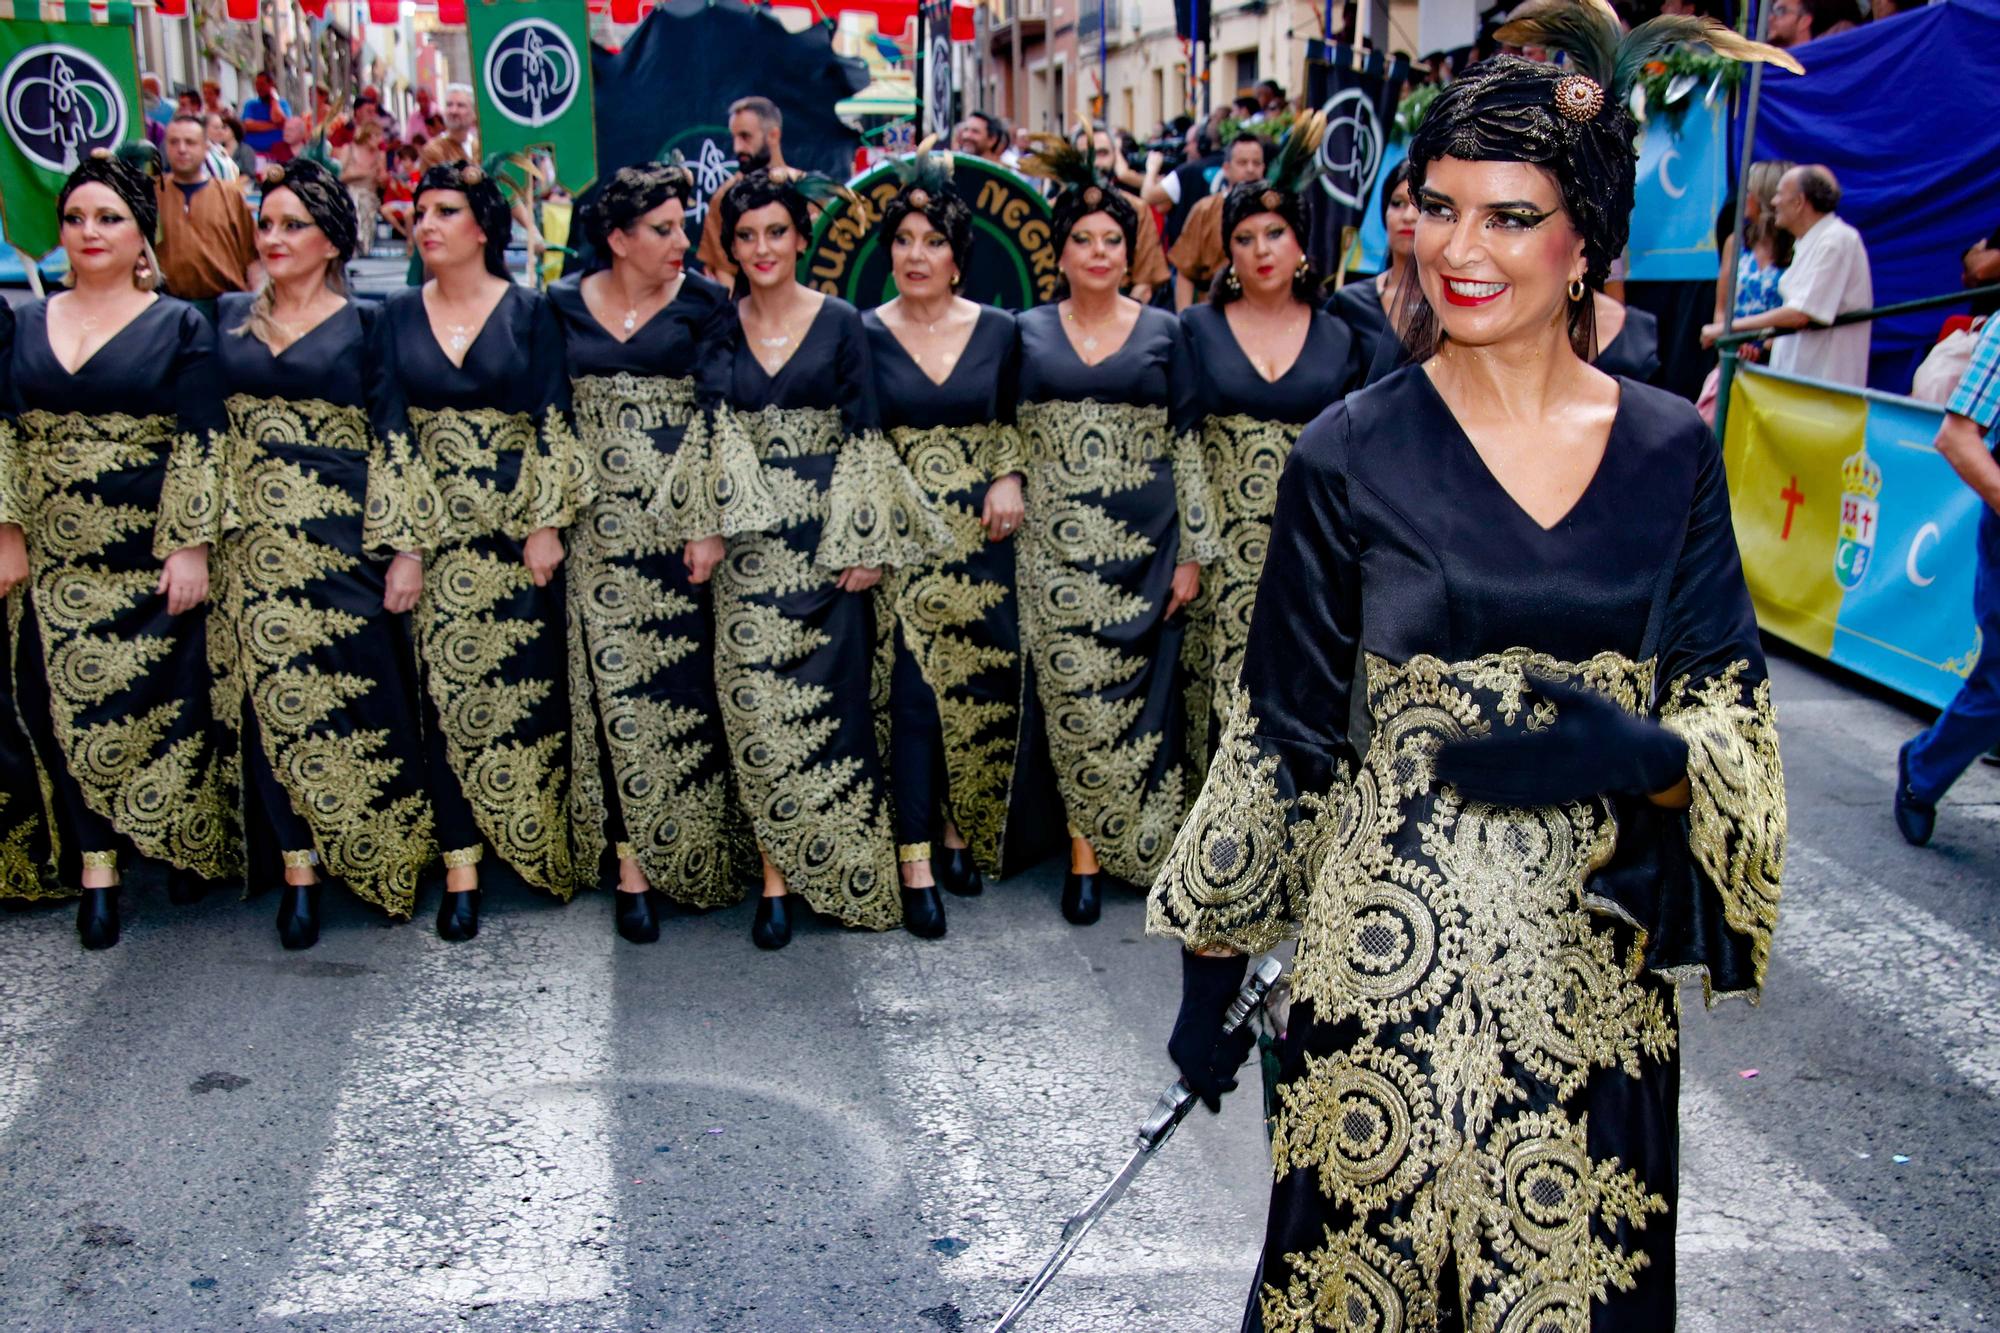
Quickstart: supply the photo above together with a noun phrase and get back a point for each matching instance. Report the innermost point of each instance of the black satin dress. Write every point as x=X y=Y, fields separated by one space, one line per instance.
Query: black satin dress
x=1476 y=1117
x=497 y=460
x=805 y=485
x=1116 y=499
x=955 y=698
x=25 y=872
x=1635 y=352
x=121 y=465
x=652 y=767
x=1248 y=427
x=1377 y=349
x=323 y=678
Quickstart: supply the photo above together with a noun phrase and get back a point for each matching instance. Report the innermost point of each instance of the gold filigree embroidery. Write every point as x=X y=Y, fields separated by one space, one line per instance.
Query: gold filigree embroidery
x=464 y=454
x=1737 y=815
x=628 y=632
x=876 y=513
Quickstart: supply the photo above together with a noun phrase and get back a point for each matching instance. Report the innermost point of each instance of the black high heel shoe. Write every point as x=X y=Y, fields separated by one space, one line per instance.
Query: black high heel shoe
x=957 y=873
x=635 y=917
x=458 y=915
x=298 y=916
x=185 y=888
x=923 y=912
x=773 y=927
x=1080 y=898
x=97 y=918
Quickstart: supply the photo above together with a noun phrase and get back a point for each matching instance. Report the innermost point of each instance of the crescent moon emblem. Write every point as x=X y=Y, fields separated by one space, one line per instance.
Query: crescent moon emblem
x=1929 y=530
x=1666 y=181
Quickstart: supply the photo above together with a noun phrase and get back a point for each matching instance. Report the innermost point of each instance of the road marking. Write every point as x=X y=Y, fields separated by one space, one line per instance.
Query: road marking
x=470 y=1157
x=1942 y=985
x=46 y=984
x=1025 y=1098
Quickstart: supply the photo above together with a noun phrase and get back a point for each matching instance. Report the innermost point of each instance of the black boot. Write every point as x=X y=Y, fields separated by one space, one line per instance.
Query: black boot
x=957 y=873
x=923 y=913
x=635 y=918
x=185 y=888
x=298 y=916
x=773 y=927
x=458 y=915
x=97 y=918
x=1080 y=904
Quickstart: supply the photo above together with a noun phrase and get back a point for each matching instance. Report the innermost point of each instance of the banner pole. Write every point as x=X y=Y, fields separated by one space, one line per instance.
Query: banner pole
x=1744 y=161
x=34 y=267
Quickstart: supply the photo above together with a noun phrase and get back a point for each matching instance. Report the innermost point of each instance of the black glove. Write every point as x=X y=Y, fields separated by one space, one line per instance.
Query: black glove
x=1208 y=1059
x=1593 y=748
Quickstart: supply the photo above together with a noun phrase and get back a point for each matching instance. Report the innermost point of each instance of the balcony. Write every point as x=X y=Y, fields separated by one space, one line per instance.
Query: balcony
x=1089 y=15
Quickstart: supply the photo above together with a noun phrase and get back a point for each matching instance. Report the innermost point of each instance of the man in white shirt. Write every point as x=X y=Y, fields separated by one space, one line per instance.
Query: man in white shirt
x=1829 y=276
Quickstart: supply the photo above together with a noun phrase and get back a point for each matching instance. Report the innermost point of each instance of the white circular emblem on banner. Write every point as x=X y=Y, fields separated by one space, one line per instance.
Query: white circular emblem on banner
x=1352 y=149
x=937 y=74
x=532 y=72
x=58 y=104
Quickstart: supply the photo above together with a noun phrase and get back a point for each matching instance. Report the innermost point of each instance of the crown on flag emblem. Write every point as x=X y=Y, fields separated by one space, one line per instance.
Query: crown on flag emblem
x=1860 y=516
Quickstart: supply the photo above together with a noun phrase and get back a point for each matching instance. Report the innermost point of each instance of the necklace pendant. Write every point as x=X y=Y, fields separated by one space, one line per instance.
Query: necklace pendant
x=631 y=320
x=1089 y=342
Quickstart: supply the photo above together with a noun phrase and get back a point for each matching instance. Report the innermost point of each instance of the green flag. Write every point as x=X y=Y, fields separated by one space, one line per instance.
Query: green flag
x=531 y=64
x=65 y=89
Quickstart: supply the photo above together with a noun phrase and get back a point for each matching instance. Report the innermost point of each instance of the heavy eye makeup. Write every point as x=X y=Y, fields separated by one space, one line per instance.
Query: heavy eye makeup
x=103 y=219
x=1509 y=215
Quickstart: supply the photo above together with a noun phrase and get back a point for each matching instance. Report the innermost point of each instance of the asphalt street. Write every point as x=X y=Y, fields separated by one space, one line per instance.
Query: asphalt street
x=550 y=1129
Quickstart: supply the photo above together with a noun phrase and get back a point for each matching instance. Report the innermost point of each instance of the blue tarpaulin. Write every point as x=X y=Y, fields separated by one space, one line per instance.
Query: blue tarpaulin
x=1906 y=112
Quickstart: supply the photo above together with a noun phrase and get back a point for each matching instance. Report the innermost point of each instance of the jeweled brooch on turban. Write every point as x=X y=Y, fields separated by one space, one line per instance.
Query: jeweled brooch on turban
x=1579 y=98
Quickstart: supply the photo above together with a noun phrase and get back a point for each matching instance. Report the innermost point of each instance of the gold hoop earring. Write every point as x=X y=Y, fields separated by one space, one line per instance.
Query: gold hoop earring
x=956 y=278
x=1576 y=289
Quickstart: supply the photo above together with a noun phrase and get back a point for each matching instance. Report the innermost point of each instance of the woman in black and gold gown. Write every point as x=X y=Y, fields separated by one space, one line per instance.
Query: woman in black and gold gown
x=652 y=768
x=310 y=589
x=1571 y=799
x=821 y=504
x=24 y=842
x=120 y=440
x=944 y=376
x=1363 y=305
x=1269 y=361
x=479 y=365
x=1118 y=526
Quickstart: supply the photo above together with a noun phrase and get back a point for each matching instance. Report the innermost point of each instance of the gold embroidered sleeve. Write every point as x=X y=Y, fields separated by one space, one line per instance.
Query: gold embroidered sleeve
x=13 y=484
x=555 y=483
x=402 y=499
x=876 y=513
x=193 y=503
x=1001 y=451
x=1195 y=498
x=1242 y=867
x=714 y=485
x=1736 y=817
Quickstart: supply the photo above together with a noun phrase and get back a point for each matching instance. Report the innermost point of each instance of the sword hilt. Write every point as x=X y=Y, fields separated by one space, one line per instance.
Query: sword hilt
x=1175 y=1103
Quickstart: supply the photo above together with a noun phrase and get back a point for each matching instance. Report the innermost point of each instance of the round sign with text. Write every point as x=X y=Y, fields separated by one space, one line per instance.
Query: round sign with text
x=59 y=103
x=532 y=72
x=1013 y=252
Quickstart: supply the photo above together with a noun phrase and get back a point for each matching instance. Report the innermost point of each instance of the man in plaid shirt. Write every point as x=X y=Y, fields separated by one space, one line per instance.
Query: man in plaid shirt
x=1928 y=765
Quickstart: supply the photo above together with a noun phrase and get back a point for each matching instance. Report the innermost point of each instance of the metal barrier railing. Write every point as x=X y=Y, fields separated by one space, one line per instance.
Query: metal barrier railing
x=1729 y=342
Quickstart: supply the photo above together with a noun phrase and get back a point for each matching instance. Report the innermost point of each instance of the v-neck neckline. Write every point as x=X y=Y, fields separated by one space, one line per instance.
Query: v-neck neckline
x=343 y=308
x=638 y=328
x=1583 y=496
x=1251 y=361
x=799 y=345
x=958 y=358
x=1063 y=321
x=88 y=361
x=424 y=308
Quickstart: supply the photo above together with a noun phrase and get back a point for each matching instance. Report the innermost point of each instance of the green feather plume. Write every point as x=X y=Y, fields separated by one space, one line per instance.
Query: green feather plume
x=1297 y=161
x=925 y=169
x=1589 y=33
x=1054 y=158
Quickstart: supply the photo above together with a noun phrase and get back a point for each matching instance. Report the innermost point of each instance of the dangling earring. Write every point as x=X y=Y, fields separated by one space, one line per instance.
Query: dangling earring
x=1576 y=289
x=1231 y=283
x=1299 y=273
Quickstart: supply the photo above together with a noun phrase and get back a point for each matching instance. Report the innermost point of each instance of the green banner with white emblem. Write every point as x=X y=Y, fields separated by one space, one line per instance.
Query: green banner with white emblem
x=66 y=89
x=531 y=65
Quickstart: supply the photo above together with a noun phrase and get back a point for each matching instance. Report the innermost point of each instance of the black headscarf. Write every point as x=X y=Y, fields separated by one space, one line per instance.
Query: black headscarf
x=630 y=194
x=489 y=206
x=323 y=196
x=131 y=185
x=942 y=208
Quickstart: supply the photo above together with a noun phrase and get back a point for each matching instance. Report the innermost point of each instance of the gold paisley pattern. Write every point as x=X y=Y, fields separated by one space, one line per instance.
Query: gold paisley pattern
x=142 y=759
x=1478 y=997
x=1243 y=457
x=942 y=607
x=812 y=789
x=495 y=668
x=302 y=665
x=465 y=453
x=1123 y=784
x=633 y=631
